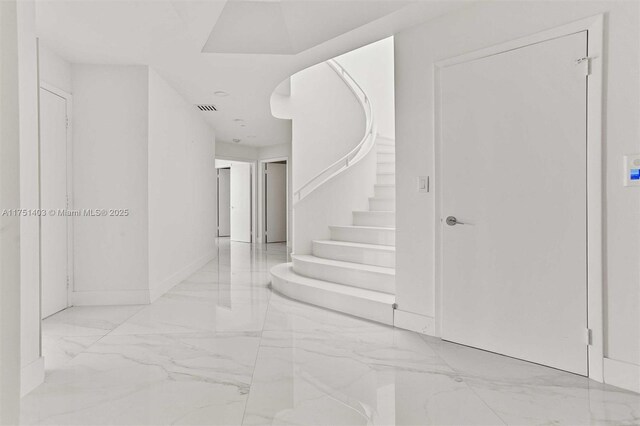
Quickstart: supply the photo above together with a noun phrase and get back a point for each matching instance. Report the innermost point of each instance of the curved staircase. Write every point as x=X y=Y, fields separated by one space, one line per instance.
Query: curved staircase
x=354 y=271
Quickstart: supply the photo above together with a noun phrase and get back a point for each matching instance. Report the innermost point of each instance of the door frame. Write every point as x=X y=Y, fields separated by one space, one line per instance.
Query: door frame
x=70 y=202
x=218 y=199
x=263 y=197
x=254 y=193
x=594 y=181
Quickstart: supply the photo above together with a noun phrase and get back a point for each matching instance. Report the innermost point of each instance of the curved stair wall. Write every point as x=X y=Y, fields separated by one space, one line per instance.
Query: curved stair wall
x=344 y=227
x=328 y=121
x=331 y=203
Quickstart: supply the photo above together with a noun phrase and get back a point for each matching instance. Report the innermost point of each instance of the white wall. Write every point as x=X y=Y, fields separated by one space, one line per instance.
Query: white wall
x=32 y=363
x=483 y=25
x=182 y=188
x=110 y=171
x=240 y=152
x=9 y=226
x=372 y=67
x=328 y=121
x=54 y=70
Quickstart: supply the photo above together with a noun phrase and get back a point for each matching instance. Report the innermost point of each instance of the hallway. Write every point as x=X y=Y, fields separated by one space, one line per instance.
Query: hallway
x=221 y=348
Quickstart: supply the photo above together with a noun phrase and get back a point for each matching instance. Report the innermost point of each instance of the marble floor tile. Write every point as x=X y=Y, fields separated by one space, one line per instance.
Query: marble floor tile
x=197 y=311
x=524 y=393
x=150 y=379
x=58 y=351
x=220 y=348
x=381 y=377
x=87 y=320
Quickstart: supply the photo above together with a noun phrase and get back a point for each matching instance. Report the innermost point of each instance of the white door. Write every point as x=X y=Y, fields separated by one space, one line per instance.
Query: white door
x=224 y=202
x=514 y=171
x=53 y=189
x=241 y=202
x=275 y=189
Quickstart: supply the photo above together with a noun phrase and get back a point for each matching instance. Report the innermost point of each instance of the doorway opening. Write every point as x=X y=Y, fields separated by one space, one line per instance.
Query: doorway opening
x=275 y=203
x=236 y=204
x=56 y=244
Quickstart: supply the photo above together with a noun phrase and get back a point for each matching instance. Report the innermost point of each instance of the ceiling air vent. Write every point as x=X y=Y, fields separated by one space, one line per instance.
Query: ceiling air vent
x=208 y=107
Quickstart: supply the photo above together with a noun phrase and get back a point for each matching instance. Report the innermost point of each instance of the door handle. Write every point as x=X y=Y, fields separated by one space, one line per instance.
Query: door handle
x=452 y=221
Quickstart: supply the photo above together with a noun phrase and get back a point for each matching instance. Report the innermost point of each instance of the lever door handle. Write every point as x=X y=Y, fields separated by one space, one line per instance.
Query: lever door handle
x=452 y=221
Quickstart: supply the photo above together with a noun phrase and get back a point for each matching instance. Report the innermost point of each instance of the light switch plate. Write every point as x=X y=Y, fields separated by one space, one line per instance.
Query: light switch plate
x=423 y=183
x=632 y=170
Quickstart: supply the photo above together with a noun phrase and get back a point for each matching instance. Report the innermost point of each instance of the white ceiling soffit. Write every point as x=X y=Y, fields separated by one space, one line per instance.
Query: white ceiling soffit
x=288 y=27
x=168 y=35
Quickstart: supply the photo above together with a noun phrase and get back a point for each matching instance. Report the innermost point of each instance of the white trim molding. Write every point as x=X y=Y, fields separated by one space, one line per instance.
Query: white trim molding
x=414 y=322
x=166 y=285
x=595 y=33
x=68 y=97
x=31 y=376
x=110 y=297
x=622 y=374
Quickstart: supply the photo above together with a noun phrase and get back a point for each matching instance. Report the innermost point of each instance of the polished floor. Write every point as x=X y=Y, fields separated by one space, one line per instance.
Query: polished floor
x=221 y=349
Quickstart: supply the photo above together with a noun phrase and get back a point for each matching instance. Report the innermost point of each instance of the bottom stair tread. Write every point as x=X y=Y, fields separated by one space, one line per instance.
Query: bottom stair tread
x=346 y=265
x=369 y=304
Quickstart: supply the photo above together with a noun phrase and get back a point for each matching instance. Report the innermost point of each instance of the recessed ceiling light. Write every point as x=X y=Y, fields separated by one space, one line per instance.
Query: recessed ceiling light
x=236 y=140
x=221 y=93
x=239 y=120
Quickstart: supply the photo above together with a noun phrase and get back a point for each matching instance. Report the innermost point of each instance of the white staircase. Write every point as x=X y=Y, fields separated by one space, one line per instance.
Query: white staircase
x=354 y=271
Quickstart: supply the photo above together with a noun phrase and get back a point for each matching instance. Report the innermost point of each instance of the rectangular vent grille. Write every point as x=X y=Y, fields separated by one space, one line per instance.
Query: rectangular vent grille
x=206 y=107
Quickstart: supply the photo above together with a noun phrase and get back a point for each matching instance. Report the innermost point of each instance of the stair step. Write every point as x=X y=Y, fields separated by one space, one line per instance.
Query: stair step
x=369 y=277
x=390 y=149
x=380 y=219
x=386 y=179
x=382 y=204
x=380 y=140
x=346 y=251
x=384 y=191
x=372 y=305
x=385 y=157
x=364 y=234
x=386 y=167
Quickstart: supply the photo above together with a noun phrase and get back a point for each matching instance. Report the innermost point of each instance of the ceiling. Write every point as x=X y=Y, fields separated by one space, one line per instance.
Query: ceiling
x=244 y=48
x=290 y=26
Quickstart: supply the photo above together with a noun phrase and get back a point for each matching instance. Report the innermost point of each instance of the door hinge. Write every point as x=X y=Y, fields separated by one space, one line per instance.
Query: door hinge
x=585 y=63
x=589 y=336
x=68 y=282
x=67 y=122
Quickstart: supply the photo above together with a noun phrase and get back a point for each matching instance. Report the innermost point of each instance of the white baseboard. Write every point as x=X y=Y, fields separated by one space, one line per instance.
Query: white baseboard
x=414 y=322
x=622 y=374
x=110 y=297
x=31 y=376
x=166 y=285
x=138 y=297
